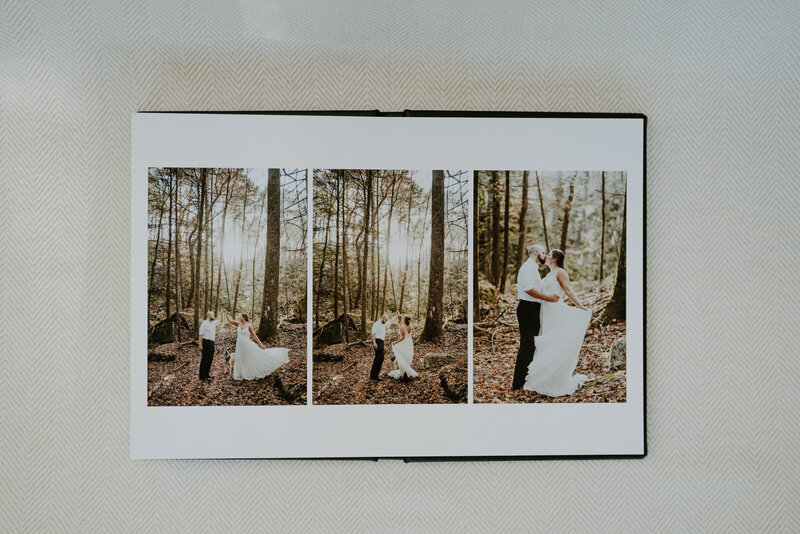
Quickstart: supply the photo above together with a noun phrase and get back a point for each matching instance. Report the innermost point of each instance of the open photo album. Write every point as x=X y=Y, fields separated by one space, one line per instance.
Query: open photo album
x=416 y=285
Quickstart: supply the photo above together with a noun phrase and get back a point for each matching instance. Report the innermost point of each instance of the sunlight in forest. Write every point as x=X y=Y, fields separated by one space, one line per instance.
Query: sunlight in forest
x=233 y=238
x=403 y=250
x=399 y=249
x=238 y=247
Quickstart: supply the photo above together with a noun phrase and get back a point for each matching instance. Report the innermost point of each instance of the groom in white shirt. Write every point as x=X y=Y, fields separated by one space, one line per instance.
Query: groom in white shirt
x=378 y=336
x=208 y=331
x=530 y=298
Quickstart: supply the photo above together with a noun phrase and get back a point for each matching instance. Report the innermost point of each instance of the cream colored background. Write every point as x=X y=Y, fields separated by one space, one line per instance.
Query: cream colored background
x=719 y=82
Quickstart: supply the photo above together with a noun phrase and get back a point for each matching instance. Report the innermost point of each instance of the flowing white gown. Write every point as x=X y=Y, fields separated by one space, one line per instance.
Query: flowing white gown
x=558 y=346
x=403 y=355
x=251 y=360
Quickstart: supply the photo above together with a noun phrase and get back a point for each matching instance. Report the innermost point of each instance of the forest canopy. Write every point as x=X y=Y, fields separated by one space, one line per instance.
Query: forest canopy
x=212 y=232
x=373 y=242
x=561 y=209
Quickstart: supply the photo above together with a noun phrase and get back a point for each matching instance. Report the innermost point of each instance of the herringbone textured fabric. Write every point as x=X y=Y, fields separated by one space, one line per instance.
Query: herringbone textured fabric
x=719 y=82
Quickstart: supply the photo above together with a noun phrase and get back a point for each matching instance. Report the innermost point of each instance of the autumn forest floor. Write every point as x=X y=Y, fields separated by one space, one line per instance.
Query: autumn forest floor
x=341 y=372
x=496 y=341
x=176 y=382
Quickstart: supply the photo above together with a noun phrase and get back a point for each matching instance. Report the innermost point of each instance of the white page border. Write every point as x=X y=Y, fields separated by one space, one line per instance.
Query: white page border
x=313 y=431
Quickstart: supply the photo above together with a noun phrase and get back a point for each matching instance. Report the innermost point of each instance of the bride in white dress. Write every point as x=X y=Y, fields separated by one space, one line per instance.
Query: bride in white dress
x=562 y=330
x=253 y=359
x=403 y=350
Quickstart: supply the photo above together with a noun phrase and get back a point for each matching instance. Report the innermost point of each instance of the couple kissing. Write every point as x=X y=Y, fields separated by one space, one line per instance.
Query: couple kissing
x=551 y=332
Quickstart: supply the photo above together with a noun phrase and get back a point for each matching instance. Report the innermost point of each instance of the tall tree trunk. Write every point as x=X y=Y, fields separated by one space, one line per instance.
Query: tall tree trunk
x=241 y=252
x=603 y=223
x=191 y=245
x=584 y=198
x=268 y=326
x=433 y=319
x=419 y=280
x=419 y=261
x=339 y=178
x=484 y=232
x=227 y=284
x=155 y=253
x=178 y=220
x=507 y=195
x=391 y=281
x=253 y=281
x=255 y=255
x=368 y=205
x=523 y=213
x=169 y=243
x=201 y=201
x=541 y=208
x=358 y=246
x=345 y=268
x=210 y=296
x=495 y=229
x=567 y=210
x=615 y=309
x=388 y=241
x=322 y=266
x=206 y=229
x=376 y=182
x=375 y=273
x=476 y=307
x=408 y=233
x=222 y=243
x=376 y=247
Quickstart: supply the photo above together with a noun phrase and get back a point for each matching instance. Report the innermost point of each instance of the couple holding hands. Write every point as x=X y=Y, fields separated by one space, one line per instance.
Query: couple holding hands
x=251 y=359
x=402 y=348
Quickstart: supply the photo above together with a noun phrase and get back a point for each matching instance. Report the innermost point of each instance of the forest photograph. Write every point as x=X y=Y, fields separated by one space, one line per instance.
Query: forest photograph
x=549 y=275
x=390 y=280
x=226 y=286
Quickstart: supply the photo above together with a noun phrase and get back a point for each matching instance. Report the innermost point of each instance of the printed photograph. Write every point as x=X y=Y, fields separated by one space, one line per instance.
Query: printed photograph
x=549 y=273
x=390 y=279
x=226 y=286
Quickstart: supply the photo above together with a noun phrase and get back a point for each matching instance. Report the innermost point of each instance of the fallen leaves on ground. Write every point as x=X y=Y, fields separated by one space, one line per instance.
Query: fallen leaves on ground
x=495 y=354
x=177 y=383
x=347 y=381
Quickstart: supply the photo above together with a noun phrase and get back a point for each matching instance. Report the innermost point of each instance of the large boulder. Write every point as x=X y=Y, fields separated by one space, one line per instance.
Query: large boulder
x=332 y=332
x=166 y=330
x=488 y=293
x=615 y=358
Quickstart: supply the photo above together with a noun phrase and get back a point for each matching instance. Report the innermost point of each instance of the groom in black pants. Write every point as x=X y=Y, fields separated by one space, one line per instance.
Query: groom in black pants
x=378 y=335
x=530 y=299
x=208 y=331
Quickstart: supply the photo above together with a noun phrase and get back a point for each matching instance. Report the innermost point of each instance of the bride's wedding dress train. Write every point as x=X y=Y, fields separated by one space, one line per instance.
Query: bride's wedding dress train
x=252 y=361
x=403 y=355
x=557 y=348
